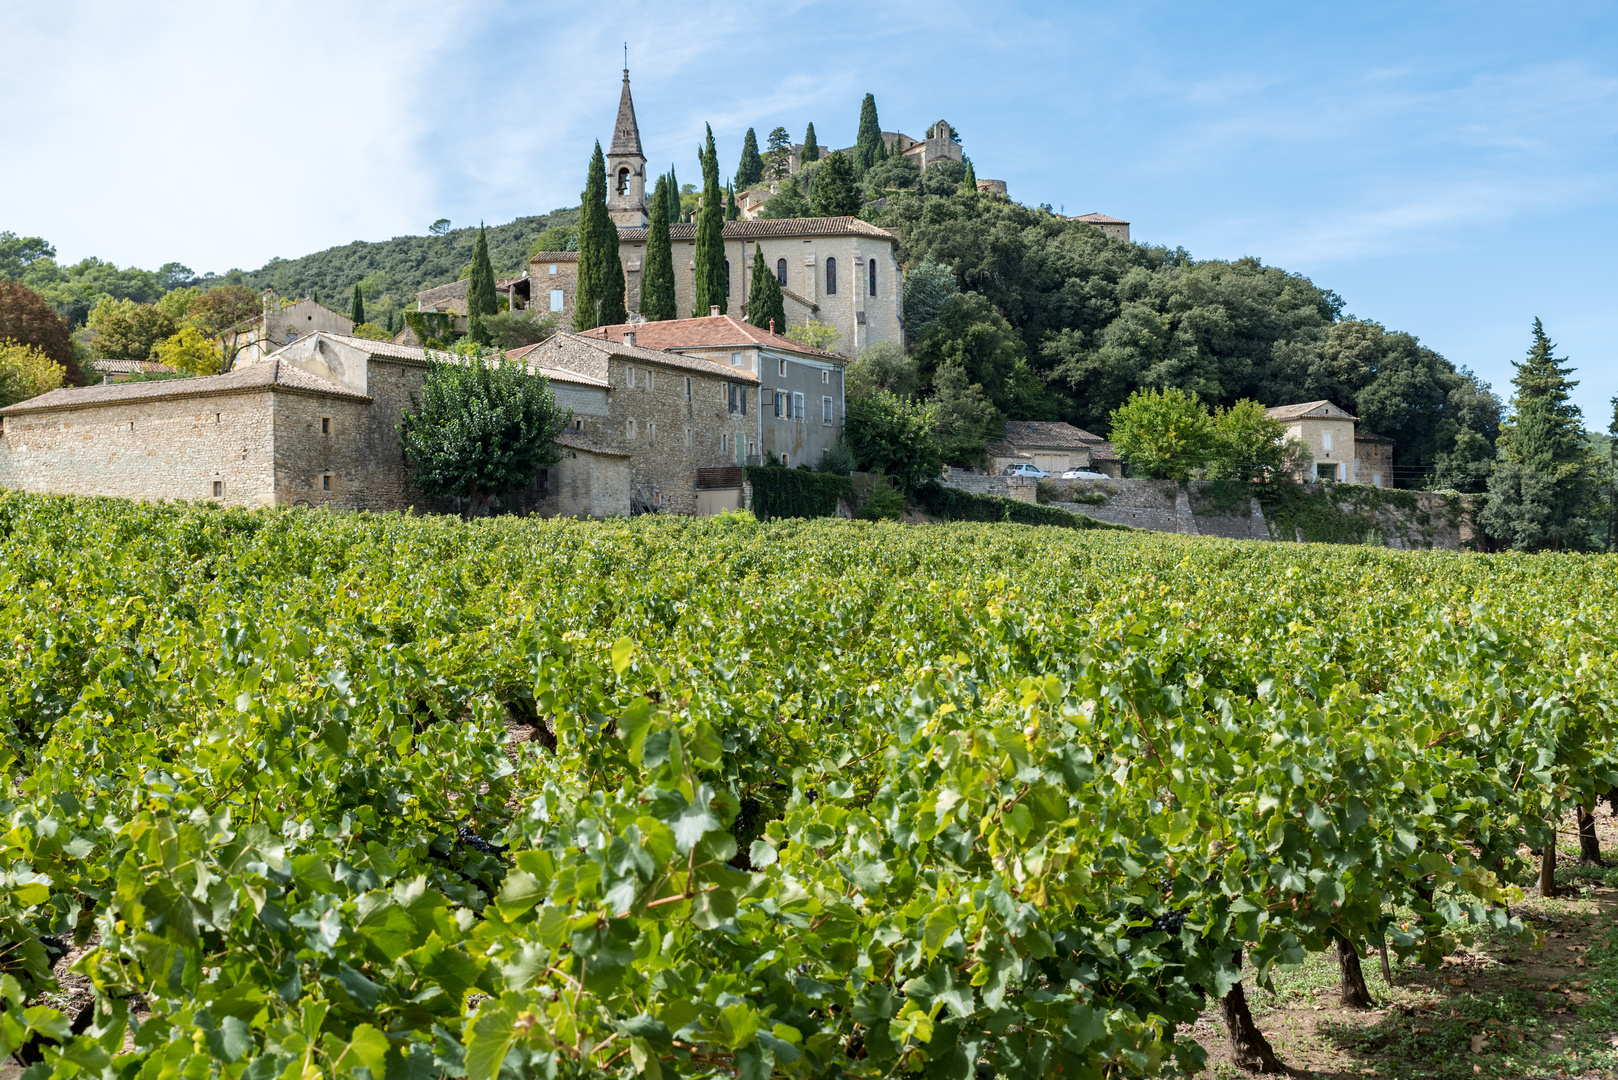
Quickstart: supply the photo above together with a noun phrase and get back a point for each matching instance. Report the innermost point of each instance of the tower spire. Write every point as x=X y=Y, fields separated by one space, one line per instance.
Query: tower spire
x=626 y=164
x=626 y=133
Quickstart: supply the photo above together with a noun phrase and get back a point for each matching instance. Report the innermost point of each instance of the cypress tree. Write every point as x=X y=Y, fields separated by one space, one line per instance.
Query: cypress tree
x=709 y=288
x=732 y=211
x=811 y=149
x=836 y=194
x=764 y=300
x=657 y=281
x=969 y=182
x=869 y=147
x=674 y=195
x=600 y=297
x=751 y=169
x=356 y=310
x=480 y=299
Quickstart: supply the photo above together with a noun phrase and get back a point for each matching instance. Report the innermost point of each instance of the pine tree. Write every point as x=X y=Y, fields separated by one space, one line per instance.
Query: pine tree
x=356 y=309
x=1543 y=494
x=778 y=158
x=764 y=300
x=836 y=194
x=811 y=149
x=599 y=300
x=657 y=281
x=751 y=169
x=732 y=211
x=969 y=182
x=709 y=287
x=480 y=298
x=869 y=147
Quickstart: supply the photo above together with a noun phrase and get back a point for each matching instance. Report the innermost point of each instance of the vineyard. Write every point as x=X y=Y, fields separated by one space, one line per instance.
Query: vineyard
x=317 y=795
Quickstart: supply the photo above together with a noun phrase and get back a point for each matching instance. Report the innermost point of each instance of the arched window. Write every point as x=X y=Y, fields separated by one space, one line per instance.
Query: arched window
x=872 y=261
x=781 y=272
x=727 y=277
x=623 y=181
x=831 y=277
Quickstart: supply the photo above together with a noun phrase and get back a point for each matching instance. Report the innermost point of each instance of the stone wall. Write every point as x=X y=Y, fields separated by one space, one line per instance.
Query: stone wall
x=582 y=484
x=1021 y=488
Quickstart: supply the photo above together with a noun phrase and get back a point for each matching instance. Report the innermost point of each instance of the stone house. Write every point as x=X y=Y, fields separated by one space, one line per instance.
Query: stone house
x=553 y=283
x=800 y=400
x=1340 y=452
x=1116 y=228
x=675 y=415
x=279 y=324
x=1053 y=447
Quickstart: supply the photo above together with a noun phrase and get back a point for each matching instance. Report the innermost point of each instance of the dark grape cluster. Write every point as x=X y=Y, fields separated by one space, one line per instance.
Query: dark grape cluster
x=1170 y=922
x=465 y=837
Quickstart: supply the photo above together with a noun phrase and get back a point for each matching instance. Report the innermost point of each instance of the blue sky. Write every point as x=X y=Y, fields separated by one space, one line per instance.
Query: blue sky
x=1448 y=168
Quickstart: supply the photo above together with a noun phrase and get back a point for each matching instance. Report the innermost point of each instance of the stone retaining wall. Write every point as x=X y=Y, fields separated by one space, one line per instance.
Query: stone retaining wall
x=1022 y=488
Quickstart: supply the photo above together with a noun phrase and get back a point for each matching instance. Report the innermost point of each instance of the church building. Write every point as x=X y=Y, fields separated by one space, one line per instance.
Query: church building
x=840 y=271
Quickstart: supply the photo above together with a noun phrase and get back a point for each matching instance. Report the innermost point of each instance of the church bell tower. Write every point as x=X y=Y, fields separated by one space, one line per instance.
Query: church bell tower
x=626 y=168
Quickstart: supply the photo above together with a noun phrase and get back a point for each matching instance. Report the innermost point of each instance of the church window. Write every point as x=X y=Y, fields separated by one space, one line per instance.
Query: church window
x=623 y=181
x=831 y=277
x=873 y=275
x=781 y=272
x=556 y=299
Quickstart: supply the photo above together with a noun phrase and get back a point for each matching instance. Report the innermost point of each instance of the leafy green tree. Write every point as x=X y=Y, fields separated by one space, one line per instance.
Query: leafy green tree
x=869 y=147
x=189 y=352
x=514 y=329
x=600 y=297
x=811 y=149
x=1165 y=434
x=883 y=366
x=751 y=169
x=815 y=334
x=897 y=173
x=27 y=318
x=709 y=288
x=835 y=193
x=657 y=279
x=356 y=307
x=766 y=307
x=378 y=332
x=126 y=330
x=1543 y=494
x=787 y=202
x=778 y=156
x=969 y=333
x=967 y=419
x=19 y=254
x=484 y=426
x=439 y=227
x=481 y=301
x=942 y=178
x=1248 y=444
x=556 y=238
x=26 y=372
x=895 y=436
x=927 y=288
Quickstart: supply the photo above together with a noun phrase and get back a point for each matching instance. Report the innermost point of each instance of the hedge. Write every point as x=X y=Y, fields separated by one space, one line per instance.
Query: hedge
x=796 y=493
x=953 y=504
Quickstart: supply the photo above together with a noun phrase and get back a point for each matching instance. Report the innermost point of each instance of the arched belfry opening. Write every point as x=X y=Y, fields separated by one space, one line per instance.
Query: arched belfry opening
x=626 y=164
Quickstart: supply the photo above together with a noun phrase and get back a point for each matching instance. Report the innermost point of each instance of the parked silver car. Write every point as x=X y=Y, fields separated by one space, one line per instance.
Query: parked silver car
x=1024 y=469
x=1083 y=474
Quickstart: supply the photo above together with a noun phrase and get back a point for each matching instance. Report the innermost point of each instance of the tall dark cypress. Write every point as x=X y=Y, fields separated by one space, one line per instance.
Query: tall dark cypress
x=480 y=298
x=674 y=195
x=356 y=310
x=764 y=300
x=869 y=147
x=732 y=211
x=600 y=297
x=969 y=182
x=657 y=281
x=811 y=149
x=709 y=288
x=751 y=169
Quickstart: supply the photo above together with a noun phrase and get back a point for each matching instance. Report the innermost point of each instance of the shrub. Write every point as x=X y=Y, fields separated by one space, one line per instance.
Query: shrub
x=796 y=493
x=837 y=459
x=26 y=372
x=953 y=504
x=883 y=504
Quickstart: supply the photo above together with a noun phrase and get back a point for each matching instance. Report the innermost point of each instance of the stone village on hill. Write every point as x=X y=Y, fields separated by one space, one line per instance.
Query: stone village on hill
x=664 y=414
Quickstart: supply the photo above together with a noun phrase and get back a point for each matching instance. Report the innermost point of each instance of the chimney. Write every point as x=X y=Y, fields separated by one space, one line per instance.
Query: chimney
x=772 y=326
x=629 y=338
x=713 y=311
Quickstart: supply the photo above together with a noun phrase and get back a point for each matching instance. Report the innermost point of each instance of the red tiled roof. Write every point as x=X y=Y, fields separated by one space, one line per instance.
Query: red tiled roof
x=556 y=256
x=1041 y=434
x=1099 y=219
x=710 y=332
x=1323 y=410
x=264 y=375
x=760 y=228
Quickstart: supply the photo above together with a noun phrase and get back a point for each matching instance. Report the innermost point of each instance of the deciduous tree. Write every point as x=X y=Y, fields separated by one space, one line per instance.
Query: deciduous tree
x=892 y=435
x=26 y=372
x=188 y=351
x=126 y=330
x=484 y=426
x=657 y=280
x=1165 y=434
x=27 y=318
x=1248 y=444
x=787 y=202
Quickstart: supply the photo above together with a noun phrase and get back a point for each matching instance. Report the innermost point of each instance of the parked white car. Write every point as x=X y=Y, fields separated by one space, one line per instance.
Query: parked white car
x=1083 y=474
x=1024 y=469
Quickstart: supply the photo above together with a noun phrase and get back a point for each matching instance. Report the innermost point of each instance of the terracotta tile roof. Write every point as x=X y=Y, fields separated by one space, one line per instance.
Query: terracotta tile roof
x=760 y=228
x=1046 y=435
x=709 y=332
x=579 y=442
x=555 y=374
x=616 y=347
x=1103 y=451
x=266 y=374
x=131 y=367
x=1323 y=410
x=389 y=349
x=442 y=294
x=800 y=298
x=1099 y=219
x=1005 y=450
x=557 y=256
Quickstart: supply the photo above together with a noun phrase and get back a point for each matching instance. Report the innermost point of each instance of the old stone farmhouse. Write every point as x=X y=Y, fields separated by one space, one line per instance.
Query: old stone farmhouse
x=281 y=322
x=1340 y=452
x=1053 y=447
